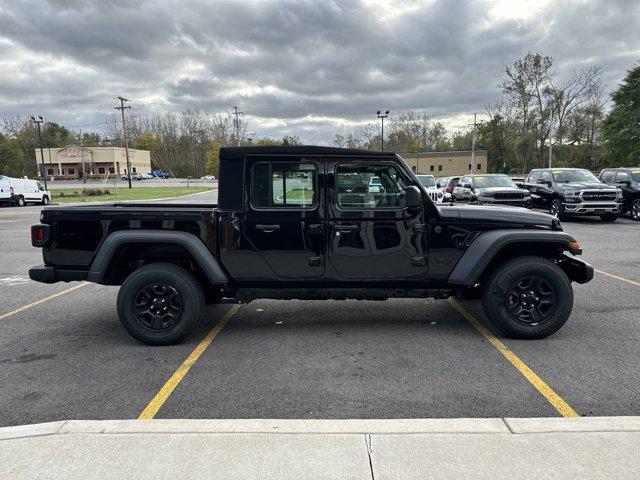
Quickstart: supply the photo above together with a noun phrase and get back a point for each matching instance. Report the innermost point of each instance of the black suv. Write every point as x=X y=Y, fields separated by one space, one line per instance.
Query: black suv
x=492 y=189
x=573 y=191
x=627 y=180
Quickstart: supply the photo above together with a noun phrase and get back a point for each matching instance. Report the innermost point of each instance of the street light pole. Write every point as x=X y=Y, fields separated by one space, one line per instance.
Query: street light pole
x=124 y=135
x=550 y=134
x=382 y=116
x=38 y=120
x=84 y=173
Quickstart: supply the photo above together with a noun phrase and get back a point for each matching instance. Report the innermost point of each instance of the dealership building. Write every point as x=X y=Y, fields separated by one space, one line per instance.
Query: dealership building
x=96 y=162
x=447 y=164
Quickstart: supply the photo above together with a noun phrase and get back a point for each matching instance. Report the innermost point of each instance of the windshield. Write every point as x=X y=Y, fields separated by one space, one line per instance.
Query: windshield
x=493 y=181
x=635 y=175
x=568 y=176
x=427 y=180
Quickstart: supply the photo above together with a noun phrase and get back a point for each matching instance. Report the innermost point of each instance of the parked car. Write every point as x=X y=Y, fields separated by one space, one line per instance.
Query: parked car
x=494 y=189
x=208 y=178
x=627 y=180
x=252 y=245
x=161 y=174
x=21 y=191
x=375 y=185
x=573 y=191
x=447 y=184
x=429 y=183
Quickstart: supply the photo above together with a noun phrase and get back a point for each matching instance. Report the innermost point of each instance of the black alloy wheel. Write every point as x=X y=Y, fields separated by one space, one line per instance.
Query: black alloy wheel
x=160 y=303
x=531 y=300
x=635 y=210
x=157 y=307
x=556 y=208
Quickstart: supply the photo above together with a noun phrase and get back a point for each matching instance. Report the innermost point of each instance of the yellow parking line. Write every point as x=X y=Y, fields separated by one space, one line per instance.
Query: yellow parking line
x=150 y=411
x=552 y=397
x=622 y=279
x=42 y=300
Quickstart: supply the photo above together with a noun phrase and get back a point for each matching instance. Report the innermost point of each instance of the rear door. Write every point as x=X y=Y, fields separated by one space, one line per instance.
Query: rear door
x=283 y=221
x=373 y=236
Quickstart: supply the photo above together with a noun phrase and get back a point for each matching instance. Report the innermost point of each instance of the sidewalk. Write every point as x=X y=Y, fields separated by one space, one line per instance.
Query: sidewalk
x=597 y=447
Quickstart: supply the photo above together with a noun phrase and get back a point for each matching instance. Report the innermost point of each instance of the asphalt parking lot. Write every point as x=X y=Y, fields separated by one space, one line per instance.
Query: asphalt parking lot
x=67 y=357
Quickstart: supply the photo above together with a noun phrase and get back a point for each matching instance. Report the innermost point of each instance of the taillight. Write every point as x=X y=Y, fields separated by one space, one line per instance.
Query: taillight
x=449 y=189
x=366 y=189
x=40 y=235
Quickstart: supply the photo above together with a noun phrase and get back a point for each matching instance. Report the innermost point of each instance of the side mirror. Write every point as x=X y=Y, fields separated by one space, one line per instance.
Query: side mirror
x=542 y=181
x=468 y=186
x=413 y=196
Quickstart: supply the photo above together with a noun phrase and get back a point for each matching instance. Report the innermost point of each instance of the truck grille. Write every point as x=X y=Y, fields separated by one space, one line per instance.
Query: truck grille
x=599 y=196
x=509 y=195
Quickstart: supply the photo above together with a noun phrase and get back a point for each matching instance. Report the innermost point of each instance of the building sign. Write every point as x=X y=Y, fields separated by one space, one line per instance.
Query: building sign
x=70 y=153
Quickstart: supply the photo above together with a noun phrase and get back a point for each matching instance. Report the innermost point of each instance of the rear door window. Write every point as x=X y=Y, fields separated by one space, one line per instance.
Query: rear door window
x=284 y=185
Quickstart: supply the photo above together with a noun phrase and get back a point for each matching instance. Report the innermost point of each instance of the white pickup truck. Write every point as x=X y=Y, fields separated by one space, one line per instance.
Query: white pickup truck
x=20 y=191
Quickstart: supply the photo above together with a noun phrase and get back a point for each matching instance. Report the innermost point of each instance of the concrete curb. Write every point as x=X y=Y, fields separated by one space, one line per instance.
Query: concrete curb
x=454 y=426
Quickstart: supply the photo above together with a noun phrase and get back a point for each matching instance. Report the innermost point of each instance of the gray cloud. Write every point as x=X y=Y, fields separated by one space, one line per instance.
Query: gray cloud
x=280 y=59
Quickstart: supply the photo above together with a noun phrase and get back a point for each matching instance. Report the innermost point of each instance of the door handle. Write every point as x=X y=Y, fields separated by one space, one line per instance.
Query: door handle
x=315 y=228
x=346 y=228
x=267 y=228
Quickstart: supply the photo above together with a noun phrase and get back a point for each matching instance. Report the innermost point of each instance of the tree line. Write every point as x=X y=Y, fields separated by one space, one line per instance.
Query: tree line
x=534 y=109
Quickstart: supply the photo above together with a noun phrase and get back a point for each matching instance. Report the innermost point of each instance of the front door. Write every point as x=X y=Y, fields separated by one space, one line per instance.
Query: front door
x=372 y=235
x=283 y=221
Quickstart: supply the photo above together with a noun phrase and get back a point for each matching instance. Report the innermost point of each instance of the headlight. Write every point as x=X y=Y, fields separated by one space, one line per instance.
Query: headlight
x=439 y=194
x=619 y=195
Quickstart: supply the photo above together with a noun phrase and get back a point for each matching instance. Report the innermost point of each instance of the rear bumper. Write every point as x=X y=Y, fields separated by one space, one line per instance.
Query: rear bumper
x=46 y=274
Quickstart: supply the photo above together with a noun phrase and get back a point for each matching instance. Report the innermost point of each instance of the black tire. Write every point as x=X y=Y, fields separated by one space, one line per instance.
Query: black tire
x=20 y=202
x=545 y=306
x=556 y=208
x=609 y=217
x=45 y=200
x=634 y=210
x=160 y=304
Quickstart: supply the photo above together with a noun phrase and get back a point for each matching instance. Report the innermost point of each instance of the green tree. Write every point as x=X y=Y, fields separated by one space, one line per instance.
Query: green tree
x=621 y=127
x=212 y=166
x=11 y=157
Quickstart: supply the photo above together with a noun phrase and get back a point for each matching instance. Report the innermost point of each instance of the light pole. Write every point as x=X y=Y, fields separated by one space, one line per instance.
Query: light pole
x=382 y=116
x=38 y=120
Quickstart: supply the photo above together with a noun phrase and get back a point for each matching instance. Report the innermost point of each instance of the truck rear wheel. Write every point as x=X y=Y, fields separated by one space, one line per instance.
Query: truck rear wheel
x=528 y=297
x=20 y=201
x=160 y=304
x=635 y=210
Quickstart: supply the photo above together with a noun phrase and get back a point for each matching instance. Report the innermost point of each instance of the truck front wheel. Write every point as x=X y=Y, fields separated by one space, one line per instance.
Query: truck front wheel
x=528 y=298
x=160 y=304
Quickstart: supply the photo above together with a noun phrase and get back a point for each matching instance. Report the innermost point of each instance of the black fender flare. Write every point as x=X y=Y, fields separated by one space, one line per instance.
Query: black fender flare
x=191 y=243
x=487 y=245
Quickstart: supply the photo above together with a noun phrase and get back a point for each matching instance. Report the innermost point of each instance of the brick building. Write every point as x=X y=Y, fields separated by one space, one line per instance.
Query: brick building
x=445 y=164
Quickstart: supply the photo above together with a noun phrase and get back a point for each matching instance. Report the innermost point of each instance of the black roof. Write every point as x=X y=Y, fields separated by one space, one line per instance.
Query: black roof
x=238 y=153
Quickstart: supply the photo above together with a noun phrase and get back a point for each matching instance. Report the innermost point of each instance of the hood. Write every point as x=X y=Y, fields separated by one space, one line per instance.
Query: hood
x=586 y=186
x=498 y=215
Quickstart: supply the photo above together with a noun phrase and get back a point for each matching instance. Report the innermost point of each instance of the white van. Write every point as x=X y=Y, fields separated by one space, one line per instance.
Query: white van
x=20 y=191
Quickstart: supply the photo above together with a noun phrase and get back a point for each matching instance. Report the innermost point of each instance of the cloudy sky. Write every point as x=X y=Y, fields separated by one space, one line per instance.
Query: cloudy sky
x=309 y=68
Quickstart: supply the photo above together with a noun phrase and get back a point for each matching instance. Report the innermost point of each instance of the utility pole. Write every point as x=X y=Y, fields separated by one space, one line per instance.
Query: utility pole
x=382 y=116
x=237 y=124
x=84 y=173
x=550 y=134
x=124 y=134
x=38 y=120
x=473 y=143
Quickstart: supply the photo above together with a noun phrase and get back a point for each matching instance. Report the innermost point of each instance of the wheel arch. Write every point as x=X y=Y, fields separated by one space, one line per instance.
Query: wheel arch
x=491 y=248
x=123 y=251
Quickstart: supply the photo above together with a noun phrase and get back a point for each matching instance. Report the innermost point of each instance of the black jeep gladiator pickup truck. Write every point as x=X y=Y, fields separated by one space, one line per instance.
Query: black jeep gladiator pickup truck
x=291 y=223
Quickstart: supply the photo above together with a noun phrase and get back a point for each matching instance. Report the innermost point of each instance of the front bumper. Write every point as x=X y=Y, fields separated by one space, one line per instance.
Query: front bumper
x=591 y=208
x=577 y=270
x=46 y=274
